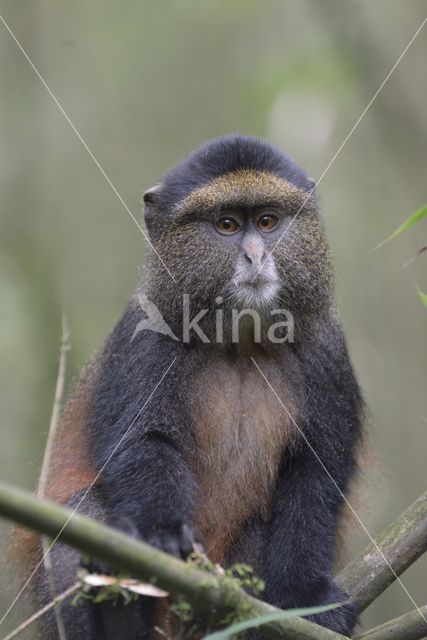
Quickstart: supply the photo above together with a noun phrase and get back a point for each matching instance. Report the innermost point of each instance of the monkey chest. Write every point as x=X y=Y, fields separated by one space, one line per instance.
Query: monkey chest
x=241 y=429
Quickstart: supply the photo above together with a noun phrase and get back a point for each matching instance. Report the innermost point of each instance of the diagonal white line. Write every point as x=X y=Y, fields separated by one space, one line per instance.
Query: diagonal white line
x=85 y=145
x=316 y=455
x=41 y=612
x=344 y=142
x=86 y=492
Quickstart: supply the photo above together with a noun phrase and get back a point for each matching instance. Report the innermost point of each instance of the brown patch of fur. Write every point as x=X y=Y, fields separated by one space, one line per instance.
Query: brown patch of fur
x=243 y=188
x=71 y=467
x=25 y=550
x=241 y=432
x=347 y=519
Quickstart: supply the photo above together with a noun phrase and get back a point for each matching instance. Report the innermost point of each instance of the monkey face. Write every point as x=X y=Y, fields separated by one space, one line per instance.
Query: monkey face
x=259 y=259
x=226 y=253
x=255 y=282
x=255 y=255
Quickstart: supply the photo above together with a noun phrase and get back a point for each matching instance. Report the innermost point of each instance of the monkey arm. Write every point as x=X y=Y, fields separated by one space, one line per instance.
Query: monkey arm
x=149 y=489
x=141 y=438
x=310 y=490
x=301 y=546
x=306 y=509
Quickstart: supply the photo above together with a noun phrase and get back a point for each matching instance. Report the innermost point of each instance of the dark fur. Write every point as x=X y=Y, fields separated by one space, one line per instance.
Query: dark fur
x=223 y=155
x=152 y=482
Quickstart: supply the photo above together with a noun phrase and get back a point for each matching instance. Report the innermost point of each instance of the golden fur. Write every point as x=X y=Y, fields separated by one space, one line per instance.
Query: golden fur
x=241 y=433
x=71 y=468
x=243 y=188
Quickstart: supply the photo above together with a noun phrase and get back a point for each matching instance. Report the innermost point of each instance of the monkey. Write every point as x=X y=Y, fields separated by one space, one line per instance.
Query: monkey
x=226 y=429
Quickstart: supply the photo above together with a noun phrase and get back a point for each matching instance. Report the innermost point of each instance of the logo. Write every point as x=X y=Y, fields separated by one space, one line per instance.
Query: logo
x=279 y=331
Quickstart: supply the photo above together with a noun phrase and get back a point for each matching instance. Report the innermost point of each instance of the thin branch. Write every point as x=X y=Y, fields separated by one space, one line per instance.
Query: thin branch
x=57 y=600
x=402 y=543
x=213 y=595
x=54 y=419
x=410 y=626
x=56 y=407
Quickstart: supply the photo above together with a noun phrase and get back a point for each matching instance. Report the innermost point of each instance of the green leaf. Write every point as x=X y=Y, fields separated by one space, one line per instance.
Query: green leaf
x=272 y=617
x=423 y=297
x=407 y=224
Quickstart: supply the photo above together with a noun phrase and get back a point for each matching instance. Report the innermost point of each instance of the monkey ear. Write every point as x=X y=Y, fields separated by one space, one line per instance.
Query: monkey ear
x=150 y=196
x=150 y=199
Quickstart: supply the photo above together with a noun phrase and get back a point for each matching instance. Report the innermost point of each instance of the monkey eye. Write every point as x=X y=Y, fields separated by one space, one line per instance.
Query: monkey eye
x=227 y=225
x=267 y=222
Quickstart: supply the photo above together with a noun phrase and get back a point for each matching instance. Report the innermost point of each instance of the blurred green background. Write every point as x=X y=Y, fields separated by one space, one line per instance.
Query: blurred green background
x=145 y=82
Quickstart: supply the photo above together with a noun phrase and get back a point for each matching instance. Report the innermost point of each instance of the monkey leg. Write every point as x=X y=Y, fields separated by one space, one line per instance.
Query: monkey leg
x=86 y=620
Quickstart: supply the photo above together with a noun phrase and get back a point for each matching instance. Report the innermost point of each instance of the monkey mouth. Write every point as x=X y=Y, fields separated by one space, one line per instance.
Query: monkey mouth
x=254 y=294
x=258 y=283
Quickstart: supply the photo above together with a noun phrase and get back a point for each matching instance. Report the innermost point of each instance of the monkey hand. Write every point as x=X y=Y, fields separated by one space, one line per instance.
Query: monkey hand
x=94 y=565
x=179 y=539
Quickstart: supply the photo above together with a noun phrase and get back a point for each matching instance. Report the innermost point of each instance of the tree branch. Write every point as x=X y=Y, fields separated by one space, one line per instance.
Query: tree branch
x=56 y=407
x=217 y=596
x=365 y=578
x=401 y=543
x=410 y=626
x=44 y=474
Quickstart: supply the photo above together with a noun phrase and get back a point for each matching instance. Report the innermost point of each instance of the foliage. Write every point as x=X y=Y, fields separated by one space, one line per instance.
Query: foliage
x=408 y=223
x=109 y=593
x=242 y=576
x=423 y=297
x=258 y=621
x=187 y=623
x=415 y=217
x=217 y=598
x=113 y=592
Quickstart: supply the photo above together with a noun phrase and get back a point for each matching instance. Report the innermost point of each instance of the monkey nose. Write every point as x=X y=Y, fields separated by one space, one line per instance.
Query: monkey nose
x=256 y=257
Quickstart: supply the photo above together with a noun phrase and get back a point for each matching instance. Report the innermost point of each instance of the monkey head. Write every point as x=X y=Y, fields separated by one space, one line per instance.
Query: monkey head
x=237 y=221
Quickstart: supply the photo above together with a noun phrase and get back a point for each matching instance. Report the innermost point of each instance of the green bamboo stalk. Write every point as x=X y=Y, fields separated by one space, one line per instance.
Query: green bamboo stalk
x=210 y=594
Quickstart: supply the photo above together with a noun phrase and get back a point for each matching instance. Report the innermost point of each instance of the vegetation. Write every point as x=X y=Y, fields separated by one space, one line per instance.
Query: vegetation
x=218 y=596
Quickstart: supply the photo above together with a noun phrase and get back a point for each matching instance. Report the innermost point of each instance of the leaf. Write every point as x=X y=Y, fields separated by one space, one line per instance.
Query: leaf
x=407 y=224
x=98 y=580
x=142 y=588
x=272 y=617
x=423 y=297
